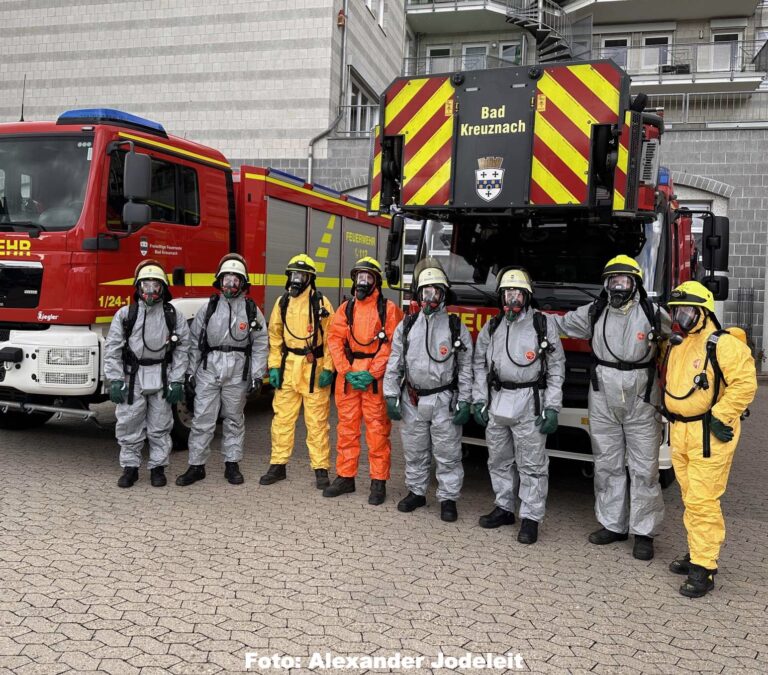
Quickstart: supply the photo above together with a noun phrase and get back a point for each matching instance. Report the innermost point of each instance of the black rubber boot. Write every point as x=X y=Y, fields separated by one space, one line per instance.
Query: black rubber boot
x=340 y=486
x=604 y=536
x=700 y=581
x=232 y=473
x=157 y=477
x=275 y=472
x=529 y=531
x=643 y=548
x=378 y=492
x=681 y=565
x=321 y=479
x=194 y=473
x=411 y=502
x=129 y=477
x=497 y=518
x=448 y=512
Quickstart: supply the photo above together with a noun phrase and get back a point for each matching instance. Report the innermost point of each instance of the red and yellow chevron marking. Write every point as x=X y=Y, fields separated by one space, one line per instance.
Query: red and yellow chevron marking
x=569 y=100
x=374 y=187
x=421 y=110
x=622 y=165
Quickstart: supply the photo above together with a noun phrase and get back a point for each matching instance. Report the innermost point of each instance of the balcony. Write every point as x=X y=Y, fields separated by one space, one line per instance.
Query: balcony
x=718 y=66
x=357 y=121
x=738 y=109
x=633 y=11
x=430 y=65
x=456 y=16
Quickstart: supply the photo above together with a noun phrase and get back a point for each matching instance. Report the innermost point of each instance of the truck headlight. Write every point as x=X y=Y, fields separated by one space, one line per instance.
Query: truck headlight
x=68 y=356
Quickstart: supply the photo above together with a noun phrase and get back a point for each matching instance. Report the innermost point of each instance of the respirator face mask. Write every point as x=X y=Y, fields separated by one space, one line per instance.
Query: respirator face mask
x=621 y=288
x=365 y=282
x=297 y=282
x=150 y=291
x=685 y=317
x=431 y=298
x=514 y=301
x=231 y=285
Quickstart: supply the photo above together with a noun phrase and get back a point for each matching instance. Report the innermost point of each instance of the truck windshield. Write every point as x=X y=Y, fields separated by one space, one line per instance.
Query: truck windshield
x=43 y=181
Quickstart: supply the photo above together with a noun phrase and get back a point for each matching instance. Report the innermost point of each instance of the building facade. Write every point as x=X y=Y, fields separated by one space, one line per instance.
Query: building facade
x=256 y=80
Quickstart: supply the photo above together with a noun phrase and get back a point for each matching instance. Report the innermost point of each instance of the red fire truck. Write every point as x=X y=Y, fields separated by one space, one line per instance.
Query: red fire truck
x=84 y=199
x=554 y=168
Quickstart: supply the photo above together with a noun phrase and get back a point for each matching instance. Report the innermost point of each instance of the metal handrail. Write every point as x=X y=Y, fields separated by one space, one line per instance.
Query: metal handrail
x=688 y=58
x=357 y=121
x=736 y=107
x=428 y=65
x=548 y=15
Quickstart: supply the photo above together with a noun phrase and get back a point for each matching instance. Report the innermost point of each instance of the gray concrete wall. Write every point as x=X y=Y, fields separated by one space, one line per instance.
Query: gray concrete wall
x=737 y=159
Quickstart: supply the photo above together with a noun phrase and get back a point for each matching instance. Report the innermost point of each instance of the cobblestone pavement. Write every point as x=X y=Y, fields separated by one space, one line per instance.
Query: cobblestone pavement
x=187 y=580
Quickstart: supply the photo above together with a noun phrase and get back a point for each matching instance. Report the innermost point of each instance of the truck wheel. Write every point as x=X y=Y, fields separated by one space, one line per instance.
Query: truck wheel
x=666 y=478
x=17 y=420
x=182 y=425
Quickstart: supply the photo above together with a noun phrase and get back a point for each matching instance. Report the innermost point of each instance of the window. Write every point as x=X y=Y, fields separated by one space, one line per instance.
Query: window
x=656 y=52
x=474 y=57
x=725 y=51
x=511 y=52
x=616 y=48
x=174 y=197
x=363 y=109
x=376 y=7
x=438 y=60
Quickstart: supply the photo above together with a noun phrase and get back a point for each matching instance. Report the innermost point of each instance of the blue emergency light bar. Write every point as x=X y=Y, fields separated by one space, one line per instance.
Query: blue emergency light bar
x=111 y=116
x=663 y=175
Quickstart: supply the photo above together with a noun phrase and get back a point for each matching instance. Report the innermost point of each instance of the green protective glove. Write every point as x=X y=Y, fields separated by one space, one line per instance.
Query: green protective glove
x=351 y=377
x=325 y=379
x=463 y=413
x=363 y=379
x=480 y=413
x=393 y=408
x=117 y=391
x=721 y=431
x=174 y=393
x=547 y=422
x=274 y=378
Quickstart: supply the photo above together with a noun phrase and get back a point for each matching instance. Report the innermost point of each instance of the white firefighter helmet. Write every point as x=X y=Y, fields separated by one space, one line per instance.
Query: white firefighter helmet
x=432 y=276
x=514 y=277
x=232 y=264
x=150 y=269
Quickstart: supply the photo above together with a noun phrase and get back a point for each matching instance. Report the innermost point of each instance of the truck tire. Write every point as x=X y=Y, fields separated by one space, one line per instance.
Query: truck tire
x=666 y=478
x=182 y=425
x=16 y=420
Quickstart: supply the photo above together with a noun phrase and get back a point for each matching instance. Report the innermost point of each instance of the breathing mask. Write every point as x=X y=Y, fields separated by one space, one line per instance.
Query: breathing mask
x=365 y=282
x=514 y=301
x=431 y=297
x=150 y=291
x=621 y=288
x=297 y=282
x=684 y=318
x=231 y=284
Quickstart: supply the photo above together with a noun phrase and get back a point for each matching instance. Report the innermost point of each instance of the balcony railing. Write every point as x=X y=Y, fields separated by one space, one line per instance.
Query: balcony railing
x=666 y=61
x=718 y=108
x=448 y=64
x=447 y=4
x=357 y=121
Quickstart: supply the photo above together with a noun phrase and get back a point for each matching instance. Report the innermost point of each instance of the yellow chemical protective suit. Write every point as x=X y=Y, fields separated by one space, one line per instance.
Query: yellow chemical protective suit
x=703 y=479
x=296 y=380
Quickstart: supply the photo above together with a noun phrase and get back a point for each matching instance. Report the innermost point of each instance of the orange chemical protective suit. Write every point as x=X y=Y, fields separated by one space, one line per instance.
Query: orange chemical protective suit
x=355 y=406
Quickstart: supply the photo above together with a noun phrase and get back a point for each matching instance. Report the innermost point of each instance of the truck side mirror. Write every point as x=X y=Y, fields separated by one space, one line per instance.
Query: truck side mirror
x=137 y=176
x=714 y=241
x=718 y=286
x=136 y=215
x=395 y=238
x=393 y=274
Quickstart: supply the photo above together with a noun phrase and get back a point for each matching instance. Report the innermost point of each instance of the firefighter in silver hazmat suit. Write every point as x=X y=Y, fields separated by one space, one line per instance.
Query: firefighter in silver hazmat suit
x=145 y=358
x=519 y=367
x=228 y=359
x=624 y=328
x=428 y=384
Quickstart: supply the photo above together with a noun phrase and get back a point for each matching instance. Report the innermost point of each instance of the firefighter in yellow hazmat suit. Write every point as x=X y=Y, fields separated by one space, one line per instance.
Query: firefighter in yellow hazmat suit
x=300 y=370
x=710 y=381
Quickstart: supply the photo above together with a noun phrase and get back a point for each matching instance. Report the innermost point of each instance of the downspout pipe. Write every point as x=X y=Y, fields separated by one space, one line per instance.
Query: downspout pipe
x=342 y=92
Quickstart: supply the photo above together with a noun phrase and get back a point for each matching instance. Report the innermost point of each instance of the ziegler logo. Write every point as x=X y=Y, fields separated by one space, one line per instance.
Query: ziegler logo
x=42 y=316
